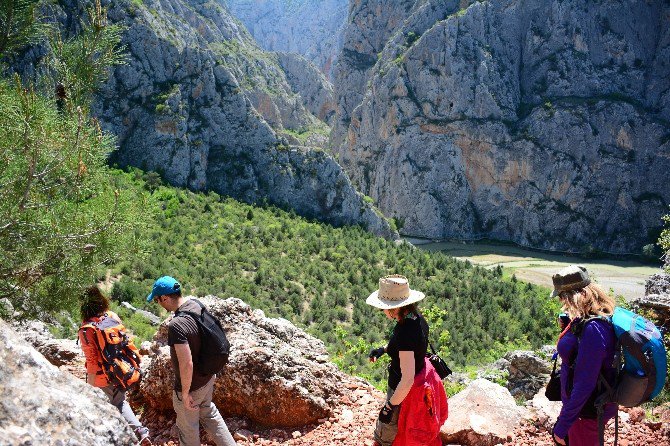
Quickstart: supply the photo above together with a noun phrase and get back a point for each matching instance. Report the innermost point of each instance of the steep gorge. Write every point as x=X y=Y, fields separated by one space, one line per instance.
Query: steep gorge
x=545 y=123
x=199 y=102
x=311 y=28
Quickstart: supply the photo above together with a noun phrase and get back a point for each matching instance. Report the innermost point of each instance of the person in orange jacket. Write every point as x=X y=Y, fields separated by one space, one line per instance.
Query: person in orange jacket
x=94 y=307
x=416 y=403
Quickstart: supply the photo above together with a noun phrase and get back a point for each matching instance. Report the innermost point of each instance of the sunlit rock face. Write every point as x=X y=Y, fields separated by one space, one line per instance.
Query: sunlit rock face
x=543 y=122
x=44 y=405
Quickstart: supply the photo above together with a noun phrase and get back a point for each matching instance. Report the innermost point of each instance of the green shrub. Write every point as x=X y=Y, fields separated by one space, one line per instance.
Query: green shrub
x=664 y=240
x=453 y=388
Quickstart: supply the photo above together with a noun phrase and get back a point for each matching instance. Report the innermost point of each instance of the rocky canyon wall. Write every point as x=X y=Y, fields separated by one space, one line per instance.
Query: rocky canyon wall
x=545 y=123
x=201 y=103
x=311 y=28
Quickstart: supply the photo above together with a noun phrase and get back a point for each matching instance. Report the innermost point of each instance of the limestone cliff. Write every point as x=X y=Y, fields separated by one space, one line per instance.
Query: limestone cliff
x=43 y=405
x=311 y=28
x=201 y=103
x=541 y=122
x=312 y=85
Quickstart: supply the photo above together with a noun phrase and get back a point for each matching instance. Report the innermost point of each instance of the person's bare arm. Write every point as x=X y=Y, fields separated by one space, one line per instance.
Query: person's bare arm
x=407 y=369
x=186 y=373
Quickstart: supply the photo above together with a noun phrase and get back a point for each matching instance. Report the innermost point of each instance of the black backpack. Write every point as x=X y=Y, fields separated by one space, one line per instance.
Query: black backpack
x=214 y=346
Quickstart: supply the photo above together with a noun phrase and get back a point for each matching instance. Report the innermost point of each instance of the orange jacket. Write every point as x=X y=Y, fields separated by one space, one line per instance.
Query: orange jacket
x=423 y=411
x=88 y=342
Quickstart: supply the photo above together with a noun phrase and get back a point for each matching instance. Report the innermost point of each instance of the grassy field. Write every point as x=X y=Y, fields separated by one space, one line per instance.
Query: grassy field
x=623 y=277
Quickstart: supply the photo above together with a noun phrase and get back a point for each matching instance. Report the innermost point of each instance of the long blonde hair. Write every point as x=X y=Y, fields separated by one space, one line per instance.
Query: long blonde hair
x=588 y=301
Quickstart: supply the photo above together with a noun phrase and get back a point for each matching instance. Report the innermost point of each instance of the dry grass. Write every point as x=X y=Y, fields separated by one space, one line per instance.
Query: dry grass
x=623 y=277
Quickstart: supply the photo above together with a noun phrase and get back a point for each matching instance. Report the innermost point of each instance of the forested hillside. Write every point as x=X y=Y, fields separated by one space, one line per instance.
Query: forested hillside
x=67 y=218
x=318 y=277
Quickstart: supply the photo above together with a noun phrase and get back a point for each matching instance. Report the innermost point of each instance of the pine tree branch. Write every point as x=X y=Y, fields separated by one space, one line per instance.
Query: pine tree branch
x=9 y=18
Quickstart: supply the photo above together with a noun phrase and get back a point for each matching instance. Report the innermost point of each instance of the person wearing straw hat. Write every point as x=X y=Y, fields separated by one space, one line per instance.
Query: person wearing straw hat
x=586 y=347
x=412 y=377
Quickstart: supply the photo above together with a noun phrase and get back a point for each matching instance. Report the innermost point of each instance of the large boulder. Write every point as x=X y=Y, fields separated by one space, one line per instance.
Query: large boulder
x=545 y=412
x=658 y=284
x=277 y=374
x=63 y=353
x=484 y=414
x=656 y=297
x=42 y=405
x=528 y=373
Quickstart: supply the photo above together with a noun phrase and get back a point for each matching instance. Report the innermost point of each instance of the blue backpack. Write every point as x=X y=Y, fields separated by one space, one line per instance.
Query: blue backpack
x=641 y=364
x=644 y=360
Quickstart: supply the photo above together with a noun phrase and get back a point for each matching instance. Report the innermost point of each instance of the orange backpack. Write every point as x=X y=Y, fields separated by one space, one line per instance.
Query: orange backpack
x=120 y=357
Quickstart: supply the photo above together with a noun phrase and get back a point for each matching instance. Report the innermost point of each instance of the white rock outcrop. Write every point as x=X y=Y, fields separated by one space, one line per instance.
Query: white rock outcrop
x=484 y=414
x=42 y=405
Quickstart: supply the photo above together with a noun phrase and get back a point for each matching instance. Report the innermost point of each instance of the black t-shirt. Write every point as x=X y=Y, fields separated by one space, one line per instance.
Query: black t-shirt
x=183 y=329
x=408 y=336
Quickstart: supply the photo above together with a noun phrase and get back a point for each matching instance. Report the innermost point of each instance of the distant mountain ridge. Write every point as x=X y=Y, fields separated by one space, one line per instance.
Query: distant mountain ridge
x=545 y=123
x=311 y=28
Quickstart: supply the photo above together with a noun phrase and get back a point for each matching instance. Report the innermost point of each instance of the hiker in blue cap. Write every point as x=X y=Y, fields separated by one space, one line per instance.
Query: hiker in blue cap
x=193 y=390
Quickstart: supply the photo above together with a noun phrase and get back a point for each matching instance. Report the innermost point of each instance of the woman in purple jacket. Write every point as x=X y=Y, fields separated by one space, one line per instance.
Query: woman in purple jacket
x=586 y=348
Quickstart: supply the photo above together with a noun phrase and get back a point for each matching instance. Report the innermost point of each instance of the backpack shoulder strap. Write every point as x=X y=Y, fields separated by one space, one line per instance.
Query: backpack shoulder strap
x=82 y=330
x=425 y=337
x=200 y=304
x=111 y=314
x=188 y=313
x=92 y=325
x=578 y=328
x=602 y=383
x=194 y=315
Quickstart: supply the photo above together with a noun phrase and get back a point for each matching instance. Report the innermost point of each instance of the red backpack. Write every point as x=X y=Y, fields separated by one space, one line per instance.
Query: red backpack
x=120 y=358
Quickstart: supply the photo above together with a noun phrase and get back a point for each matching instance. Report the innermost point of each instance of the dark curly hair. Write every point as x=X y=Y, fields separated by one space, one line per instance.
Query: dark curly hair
x=407 y=309
x=93 y=303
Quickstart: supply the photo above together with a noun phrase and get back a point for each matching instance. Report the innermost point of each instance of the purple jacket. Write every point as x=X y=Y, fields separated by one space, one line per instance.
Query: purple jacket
x=595 y=354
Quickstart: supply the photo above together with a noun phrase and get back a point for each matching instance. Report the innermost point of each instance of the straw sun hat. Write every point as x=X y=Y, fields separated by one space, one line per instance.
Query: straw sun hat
x=393 y=292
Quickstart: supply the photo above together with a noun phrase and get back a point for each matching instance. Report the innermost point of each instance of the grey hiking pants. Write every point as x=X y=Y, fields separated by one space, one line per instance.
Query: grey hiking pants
x=117 y=397
x=188 y=421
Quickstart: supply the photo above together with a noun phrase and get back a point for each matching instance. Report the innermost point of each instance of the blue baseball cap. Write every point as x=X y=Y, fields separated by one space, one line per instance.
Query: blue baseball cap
x=164 y=285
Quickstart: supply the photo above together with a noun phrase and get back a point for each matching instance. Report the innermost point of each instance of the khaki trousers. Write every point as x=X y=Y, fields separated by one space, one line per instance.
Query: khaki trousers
x=385 y=432
x=188 y=421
